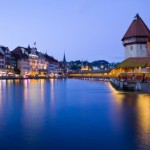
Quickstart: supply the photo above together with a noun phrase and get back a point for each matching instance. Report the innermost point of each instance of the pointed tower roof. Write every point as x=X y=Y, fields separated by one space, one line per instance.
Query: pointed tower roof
x=64 y=59
x=137 y=29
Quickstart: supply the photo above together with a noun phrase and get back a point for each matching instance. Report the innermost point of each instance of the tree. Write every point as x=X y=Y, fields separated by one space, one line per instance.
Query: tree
x=17 y=71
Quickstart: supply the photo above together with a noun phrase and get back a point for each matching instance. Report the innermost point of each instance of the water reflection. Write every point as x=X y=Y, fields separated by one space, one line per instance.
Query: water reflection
x=1 y=98
x=2 y=88
x=143 y=107
x=33 y=114
x=136 y=106
x=42 y=90
x=72 y=113
x=26 y=91
x=52 y=92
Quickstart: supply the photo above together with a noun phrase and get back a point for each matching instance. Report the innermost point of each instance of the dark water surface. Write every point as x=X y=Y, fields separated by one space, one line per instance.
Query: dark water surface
x=72 y=115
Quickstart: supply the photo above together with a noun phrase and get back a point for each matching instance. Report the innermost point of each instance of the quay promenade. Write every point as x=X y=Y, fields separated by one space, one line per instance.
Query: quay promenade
x=117 y=83
x=127 y=85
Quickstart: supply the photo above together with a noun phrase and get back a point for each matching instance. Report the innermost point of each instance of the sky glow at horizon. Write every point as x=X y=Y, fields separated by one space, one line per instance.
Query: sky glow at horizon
x=83 y=29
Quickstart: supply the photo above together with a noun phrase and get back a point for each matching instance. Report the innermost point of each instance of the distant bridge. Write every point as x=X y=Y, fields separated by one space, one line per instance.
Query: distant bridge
x=90 y=74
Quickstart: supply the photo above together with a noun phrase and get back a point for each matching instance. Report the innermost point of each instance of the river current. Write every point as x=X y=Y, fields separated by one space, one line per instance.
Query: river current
x=72 y=115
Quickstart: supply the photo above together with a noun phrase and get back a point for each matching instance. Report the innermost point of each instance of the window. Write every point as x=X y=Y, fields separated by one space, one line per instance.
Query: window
x=131 y=47
x=140 y=46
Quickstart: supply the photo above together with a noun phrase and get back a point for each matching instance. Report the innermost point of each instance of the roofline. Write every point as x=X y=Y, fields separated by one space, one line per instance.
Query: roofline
x=134 y=43
x=135 y=18
x=140 y=36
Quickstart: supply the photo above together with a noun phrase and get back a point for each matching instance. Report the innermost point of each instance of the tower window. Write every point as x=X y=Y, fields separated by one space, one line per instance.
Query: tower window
x=131 y=47
x=140 y=46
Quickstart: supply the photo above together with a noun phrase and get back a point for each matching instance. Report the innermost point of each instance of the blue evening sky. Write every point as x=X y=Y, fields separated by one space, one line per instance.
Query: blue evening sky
x=84 y=29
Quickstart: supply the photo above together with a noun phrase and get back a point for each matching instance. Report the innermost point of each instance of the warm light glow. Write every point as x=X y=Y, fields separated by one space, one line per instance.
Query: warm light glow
x=117 y=96
x=143 y=107
x=26 y=92
x=52 y=95
x=42 y=90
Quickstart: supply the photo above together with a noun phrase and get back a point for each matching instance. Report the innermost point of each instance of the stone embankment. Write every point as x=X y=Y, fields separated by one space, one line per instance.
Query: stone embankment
x=126 y=85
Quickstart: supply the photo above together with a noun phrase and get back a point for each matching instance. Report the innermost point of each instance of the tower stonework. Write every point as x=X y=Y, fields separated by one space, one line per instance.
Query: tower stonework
x=136 y=38
x=148 y=49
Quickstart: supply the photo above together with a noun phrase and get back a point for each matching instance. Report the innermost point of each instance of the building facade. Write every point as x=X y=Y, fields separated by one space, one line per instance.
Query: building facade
x=22 y=58
x=27 y=62
x=6 y=68
x=52 y=66
x=33 y=61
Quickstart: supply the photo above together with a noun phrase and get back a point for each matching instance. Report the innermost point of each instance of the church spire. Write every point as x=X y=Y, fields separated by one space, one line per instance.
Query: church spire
x=64 y=59
x=65 y=64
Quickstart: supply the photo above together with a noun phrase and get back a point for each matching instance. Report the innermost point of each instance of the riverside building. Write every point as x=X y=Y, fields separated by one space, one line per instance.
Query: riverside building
x=26 y=62
x=22 y=60
x=31 y=62
x=7 y=62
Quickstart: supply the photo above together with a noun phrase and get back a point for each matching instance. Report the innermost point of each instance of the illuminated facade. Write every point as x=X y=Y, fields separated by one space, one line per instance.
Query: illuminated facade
x=26 y=62
x=34 y=63
x=52 y=66
x=85 y=68
x=42 y=65
x=24 y=66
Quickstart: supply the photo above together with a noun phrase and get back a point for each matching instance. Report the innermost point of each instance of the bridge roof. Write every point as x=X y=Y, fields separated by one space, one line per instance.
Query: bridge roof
x=133 y=62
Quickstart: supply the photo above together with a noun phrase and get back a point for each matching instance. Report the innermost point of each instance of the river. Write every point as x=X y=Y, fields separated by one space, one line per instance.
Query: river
x=72 y=115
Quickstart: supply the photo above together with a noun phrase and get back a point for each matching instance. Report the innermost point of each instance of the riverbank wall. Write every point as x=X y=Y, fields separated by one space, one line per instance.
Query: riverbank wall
x=131 y=85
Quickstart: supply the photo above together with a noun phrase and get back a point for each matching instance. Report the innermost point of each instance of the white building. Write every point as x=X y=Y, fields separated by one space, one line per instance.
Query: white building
x=34 y=63
x=23 y=65
x=52 y=66
x=22 y=57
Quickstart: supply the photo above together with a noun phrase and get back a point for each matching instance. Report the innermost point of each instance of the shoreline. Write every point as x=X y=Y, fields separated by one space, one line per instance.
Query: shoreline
x=128 y=86
x=131 y=86
x=22 y=78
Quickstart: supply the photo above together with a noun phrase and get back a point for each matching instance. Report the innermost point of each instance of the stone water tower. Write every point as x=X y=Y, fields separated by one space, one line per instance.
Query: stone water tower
x=136 y=39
